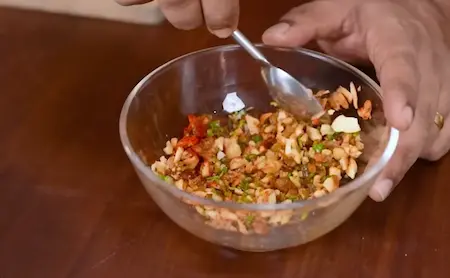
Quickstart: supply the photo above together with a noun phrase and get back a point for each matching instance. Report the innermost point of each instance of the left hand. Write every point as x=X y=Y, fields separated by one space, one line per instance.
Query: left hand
x=406 y=43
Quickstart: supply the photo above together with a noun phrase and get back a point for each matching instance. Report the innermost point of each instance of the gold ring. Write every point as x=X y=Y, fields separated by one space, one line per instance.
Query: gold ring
x=439 y=120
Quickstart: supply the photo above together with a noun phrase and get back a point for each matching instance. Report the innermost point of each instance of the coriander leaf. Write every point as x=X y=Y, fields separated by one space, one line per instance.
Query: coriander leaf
x=318 y=147
x=257 y=138
x=250 y=157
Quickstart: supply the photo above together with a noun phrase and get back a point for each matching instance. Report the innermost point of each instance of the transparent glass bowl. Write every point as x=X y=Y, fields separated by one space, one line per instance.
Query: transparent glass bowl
x=157 y=110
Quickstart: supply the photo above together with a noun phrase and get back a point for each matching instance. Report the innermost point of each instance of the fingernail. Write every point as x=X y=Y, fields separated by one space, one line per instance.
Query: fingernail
x=222 y=33
x=277 y=30
x=381 y=190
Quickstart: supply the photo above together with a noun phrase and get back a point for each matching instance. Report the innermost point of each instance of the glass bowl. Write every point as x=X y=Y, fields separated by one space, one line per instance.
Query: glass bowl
x=157 y=108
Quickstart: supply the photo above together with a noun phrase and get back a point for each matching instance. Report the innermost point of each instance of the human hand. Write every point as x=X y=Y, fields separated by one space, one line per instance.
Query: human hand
x=220 y=16
x=406 y=42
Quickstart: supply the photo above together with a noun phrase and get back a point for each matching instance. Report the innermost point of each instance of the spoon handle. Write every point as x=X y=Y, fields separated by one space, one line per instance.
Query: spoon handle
x=249 y=47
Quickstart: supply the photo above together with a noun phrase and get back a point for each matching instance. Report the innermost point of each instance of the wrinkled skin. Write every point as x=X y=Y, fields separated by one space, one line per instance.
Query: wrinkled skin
x=406 y=44
x=220 y=16
x=405 y=40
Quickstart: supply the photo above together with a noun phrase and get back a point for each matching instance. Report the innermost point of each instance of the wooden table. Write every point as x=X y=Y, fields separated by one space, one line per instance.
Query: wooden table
x=72 y=206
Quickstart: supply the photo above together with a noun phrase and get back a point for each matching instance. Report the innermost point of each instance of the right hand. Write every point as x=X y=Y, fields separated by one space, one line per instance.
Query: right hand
x=220 y=16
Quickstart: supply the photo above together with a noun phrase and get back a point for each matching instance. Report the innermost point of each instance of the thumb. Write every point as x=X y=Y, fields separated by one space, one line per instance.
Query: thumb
x=311 y=21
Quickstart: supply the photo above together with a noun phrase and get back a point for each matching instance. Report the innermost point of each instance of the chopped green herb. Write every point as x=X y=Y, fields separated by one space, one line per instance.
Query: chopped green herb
x=219 y=175
x=257 y=138
x=223 y=170
x=331 y=136
x=289 y=175
x=250 y=157
x=214 y=124
x=166 y=178
x=213 y=178
x=318 y=147
x=244 y=185
x=249 y=220
x=214 y=129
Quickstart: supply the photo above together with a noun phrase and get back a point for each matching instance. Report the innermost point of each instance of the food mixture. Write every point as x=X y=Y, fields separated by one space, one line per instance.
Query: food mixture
x=265 y=158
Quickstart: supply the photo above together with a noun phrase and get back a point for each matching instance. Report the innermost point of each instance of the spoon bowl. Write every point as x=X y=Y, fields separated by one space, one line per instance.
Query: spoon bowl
x=283 y=87
x=289 y=93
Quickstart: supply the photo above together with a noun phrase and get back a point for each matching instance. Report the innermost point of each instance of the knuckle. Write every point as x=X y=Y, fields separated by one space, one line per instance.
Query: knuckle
x=221 y=14
x=220 y=20
x=183 y=14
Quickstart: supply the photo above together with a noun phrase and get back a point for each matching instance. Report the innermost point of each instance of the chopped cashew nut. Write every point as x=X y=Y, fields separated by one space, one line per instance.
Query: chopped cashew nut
x=346 y=124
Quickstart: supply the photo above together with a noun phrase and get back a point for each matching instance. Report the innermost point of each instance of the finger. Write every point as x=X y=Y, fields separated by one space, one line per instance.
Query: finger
x=394 y=58
x=406 y=154
x=221 y=16
x=438 y=143
x=441 y=145
x=311 y=21
x=132 y=2
x=348 y=50
x=413 y=140
x=183 y=14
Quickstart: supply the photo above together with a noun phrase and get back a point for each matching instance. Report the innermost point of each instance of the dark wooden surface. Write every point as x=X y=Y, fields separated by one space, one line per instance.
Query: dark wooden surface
x=71 y=205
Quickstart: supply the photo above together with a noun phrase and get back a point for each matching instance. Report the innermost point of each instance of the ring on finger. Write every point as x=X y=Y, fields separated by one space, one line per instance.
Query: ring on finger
x=439 y=120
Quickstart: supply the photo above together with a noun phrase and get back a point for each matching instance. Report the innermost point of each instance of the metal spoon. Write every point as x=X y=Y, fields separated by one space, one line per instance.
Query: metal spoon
x=285 y=89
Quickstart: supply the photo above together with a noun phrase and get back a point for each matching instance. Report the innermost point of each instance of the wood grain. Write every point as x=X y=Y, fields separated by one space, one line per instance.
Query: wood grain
x=72 y=206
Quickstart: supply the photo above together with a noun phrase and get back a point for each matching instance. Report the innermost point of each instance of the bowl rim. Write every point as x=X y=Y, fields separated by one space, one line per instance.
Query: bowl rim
x=319 y=202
